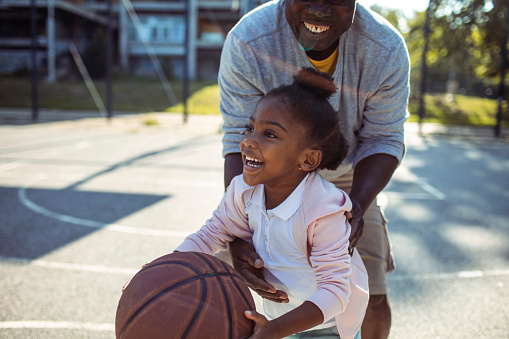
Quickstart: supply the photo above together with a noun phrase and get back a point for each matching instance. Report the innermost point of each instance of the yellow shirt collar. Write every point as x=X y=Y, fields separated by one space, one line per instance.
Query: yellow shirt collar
x=328 y=65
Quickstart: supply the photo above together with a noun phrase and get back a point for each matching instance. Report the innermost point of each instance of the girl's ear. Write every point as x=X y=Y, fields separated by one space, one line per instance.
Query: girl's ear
x=312 y=159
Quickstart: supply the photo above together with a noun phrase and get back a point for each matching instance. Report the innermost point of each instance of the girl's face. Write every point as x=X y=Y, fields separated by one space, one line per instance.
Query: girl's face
x=273 y=148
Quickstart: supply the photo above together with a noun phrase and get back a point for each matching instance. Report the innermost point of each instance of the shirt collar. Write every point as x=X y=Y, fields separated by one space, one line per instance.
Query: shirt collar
x=288 y=207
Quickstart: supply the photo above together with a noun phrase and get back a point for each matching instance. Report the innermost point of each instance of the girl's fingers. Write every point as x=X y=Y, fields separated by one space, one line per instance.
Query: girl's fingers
x=255 y=316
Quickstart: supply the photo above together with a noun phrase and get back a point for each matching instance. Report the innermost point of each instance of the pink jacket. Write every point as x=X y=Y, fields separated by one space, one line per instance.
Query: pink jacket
x=342 y=281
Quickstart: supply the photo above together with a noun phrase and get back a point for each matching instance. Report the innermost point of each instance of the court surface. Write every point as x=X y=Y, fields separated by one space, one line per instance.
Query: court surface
x=85 y=203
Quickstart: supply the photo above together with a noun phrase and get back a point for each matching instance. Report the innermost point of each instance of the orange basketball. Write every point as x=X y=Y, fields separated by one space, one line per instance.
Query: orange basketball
x=185 y=295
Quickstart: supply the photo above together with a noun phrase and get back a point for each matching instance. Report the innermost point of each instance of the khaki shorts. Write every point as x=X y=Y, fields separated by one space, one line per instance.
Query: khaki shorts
x=374 y=245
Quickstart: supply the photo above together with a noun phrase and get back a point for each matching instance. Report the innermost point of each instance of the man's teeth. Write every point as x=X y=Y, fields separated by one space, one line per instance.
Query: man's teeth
x=253 y=162
x=316 y=29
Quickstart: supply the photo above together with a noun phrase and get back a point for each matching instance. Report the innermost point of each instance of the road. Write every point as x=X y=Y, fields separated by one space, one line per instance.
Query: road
x=84 y=203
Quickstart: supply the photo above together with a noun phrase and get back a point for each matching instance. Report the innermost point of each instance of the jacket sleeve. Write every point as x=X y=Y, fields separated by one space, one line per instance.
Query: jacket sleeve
x=386 y=111
x=239 y=88
x=227 y=222
x=331 y=263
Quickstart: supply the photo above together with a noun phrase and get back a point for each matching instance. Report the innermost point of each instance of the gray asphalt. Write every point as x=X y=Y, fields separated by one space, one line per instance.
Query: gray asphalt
x=85 y=202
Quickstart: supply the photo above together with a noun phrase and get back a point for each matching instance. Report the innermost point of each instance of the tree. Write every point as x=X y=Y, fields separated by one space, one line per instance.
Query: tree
x=395 y=16
x=464 y=43
x=481 y=23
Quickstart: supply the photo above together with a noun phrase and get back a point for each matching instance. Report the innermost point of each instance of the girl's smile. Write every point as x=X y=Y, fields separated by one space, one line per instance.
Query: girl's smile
x=252 y=163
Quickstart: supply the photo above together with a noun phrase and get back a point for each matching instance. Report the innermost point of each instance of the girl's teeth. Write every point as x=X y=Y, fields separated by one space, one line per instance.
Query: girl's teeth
x=253 y=162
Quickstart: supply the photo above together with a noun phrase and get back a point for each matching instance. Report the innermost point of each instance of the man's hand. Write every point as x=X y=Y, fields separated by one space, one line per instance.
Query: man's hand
x=249 y=265
x=357 y=223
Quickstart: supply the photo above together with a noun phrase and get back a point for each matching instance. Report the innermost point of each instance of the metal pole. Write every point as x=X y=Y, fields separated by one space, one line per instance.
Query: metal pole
x=33 y=54
x=51 y=42
x=503 y=66
x=185 y=86
x=109 y=60
x=88 y=81
x=424 y=69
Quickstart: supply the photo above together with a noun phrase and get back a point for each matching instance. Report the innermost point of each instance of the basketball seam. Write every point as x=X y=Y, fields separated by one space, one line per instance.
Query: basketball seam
x=166 y=290
x=225 y=294
x=233 y=276
x=200 y=276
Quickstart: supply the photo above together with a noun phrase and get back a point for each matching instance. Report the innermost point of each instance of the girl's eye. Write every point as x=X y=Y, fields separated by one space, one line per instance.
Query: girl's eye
x=249 y=128
x=269 y=134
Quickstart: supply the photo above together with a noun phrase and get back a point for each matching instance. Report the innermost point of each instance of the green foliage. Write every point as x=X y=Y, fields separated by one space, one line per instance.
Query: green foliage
x=478 y=26
x=394 y=16
x=458 y=110
x=465 y=41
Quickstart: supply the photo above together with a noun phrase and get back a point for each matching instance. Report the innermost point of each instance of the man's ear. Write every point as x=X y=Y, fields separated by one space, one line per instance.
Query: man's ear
x=312 y=159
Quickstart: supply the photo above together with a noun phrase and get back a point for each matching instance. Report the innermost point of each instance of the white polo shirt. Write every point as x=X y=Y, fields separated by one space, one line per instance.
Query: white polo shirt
x=285 y=266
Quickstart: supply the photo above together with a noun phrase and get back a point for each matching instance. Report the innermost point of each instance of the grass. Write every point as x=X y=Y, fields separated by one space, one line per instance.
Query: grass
x=150 y=121
x=130 y=94
x=459 y=110
x=143 y=95
x=203 y=101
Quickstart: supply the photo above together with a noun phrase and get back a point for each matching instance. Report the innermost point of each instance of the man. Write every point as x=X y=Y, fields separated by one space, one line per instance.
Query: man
x=369 y=62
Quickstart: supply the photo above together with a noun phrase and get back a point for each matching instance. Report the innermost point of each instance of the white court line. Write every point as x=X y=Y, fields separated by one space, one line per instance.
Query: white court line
x=91 y=223
x=473 y=274
x=72 y=267
x=451 y=275
x=430 y=189
x=86 y=268
x=58 y=325
x=408 y=196
x=12 y=165
x=137 y=180
x=432 y=193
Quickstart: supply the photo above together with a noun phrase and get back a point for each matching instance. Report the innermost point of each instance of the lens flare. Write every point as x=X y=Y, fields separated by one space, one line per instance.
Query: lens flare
x=306 y=44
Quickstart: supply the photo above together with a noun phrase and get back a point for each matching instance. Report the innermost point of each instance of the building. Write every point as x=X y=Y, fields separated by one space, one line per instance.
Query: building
x=146 y=33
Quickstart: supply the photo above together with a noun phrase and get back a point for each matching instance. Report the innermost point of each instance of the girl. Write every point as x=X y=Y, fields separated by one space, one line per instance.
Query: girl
x=294 y=218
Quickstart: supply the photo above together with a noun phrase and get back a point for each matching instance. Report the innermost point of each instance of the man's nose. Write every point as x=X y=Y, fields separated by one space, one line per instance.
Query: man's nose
x=319 y=9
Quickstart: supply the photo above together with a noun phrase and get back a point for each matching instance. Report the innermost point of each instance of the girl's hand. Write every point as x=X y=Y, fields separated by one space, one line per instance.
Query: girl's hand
x=262 y=328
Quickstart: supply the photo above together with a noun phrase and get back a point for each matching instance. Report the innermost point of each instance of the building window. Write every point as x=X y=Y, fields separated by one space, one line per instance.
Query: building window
x=159 y=29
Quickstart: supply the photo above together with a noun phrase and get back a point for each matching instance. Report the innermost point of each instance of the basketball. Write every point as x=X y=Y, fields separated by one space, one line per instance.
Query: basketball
x=185 y=295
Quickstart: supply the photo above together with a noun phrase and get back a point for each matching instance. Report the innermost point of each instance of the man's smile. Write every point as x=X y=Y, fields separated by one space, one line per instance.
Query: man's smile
x=316 y=29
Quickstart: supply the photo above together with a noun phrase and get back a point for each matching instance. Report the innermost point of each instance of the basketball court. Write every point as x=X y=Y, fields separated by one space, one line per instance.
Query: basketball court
x=84 y=203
